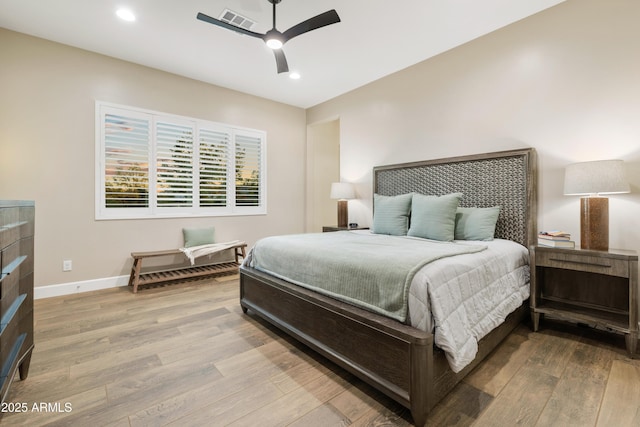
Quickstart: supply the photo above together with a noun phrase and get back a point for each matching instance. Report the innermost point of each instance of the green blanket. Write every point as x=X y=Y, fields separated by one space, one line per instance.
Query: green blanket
x=368 y=270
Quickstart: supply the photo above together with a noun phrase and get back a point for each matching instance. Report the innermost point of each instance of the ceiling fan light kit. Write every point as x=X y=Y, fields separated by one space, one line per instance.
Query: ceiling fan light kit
x=273 y=39
x=276 y=39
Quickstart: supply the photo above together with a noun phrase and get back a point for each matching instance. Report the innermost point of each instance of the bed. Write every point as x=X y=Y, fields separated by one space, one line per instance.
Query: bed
x=400 y=360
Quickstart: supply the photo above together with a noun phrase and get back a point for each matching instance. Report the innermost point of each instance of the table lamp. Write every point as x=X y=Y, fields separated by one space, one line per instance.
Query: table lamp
x=342 y=191
x=592 y=179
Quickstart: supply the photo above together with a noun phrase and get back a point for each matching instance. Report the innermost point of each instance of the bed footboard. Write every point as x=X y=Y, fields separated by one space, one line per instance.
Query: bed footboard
x=398 y=360
x=393 y=358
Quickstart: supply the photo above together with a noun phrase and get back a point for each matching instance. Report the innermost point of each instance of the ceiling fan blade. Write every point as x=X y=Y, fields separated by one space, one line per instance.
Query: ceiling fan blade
x=214 y=21
x=319 y=21
x=281 y=61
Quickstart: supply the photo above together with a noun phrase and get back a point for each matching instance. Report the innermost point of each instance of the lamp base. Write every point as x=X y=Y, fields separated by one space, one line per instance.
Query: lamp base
x=343 y=215
x=594 y=223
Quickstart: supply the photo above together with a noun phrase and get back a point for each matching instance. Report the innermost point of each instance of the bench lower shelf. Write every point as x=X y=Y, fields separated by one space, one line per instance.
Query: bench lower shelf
x=185 y=273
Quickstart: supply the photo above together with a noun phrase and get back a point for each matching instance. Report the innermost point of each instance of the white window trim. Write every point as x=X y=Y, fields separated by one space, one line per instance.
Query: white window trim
x=153 y=211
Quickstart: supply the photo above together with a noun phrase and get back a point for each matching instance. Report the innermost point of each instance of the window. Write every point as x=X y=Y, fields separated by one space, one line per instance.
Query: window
x=157 y=165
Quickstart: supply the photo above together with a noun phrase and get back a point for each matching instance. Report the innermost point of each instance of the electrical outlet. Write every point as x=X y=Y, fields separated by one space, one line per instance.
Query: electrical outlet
x=66 y=265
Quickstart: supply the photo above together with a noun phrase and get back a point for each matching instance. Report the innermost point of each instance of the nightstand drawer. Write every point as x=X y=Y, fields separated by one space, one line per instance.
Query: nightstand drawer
x=582 y=262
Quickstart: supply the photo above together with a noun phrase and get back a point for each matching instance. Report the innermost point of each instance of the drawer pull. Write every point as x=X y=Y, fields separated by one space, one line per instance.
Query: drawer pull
x=12 y=266
x=11 y=312
x=12 y=358
x=568 y=261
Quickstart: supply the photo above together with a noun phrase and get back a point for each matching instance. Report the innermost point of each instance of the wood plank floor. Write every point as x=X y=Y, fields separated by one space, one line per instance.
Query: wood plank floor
x=185 y=355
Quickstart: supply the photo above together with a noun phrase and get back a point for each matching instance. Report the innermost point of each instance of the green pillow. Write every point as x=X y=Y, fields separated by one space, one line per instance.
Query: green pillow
x=476 y=223
x=197 y=236
x=434 y=217
x=391 y=214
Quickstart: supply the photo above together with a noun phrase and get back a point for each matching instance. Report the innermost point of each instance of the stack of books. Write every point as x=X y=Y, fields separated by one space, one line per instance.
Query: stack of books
x=555 y=239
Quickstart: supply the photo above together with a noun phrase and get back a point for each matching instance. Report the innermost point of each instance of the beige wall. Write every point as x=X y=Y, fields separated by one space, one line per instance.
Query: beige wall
x=47 y=140
x=565 y=81
x=323 y=168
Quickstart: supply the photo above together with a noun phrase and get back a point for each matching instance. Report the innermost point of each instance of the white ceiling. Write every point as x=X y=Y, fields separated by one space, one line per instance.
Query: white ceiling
x=374 y=39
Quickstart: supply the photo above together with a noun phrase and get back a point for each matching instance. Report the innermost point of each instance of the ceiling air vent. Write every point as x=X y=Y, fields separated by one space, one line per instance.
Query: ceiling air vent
x=236 y=19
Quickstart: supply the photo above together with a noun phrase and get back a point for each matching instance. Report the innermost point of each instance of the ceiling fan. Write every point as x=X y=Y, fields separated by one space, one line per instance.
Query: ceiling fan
x=274 y=38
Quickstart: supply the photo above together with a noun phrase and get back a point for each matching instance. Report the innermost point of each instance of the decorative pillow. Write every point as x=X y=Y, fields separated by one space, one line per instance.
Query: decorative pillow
x=197 y=236
x=434 y=217
x=476 y=223
x=391 y=214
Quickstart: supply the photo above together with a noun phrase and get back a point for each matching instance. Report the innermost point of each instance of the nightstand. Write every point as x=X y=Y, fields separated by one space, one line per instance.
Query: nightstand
x=597 y=288
x=336 y=228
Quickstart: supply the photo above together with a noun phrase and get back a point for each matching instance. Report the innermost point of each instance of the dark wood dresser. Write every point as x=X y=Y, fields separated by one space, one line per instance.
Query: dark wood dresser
x=16 y=290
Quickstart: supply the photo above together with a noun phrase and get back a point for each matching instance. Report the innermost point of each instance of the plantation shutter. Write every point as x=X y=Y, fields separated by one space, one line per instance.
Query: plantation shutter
x=248 y=169
x=126 y=161
x=174 y=163
x=214 y=160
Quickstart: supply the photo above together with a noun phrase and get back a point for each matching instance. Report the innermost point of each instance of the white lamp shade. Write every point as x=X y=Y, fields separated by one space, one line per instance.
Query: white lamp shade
x=599 y=177
x=342 y=191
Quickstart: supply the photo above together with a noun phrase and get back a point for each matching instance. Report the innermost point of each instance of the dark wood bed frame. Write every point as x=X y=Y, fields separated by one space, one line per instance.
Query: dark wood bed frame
x=399 y=360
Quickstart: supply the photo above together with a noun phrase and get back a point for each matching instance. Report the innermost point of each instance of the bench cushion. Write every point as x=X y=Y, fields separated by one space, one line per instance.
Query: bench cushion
x=198 y=236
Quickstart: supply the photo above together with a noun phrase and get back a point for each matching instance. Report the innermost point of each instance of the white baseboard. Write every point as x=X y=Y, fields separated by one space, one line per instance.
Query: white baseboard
x=77 y=287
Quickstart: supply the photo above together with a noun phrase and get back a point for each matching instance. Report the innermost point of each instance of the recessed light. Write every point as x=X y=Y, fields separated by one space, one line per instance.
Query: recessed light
x=294 y=75
x=126 y=15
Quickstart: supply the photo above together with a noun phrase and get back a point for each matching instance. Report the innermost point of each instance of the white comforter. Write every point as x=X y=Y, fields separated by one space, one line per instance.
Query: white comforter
x=461 y=299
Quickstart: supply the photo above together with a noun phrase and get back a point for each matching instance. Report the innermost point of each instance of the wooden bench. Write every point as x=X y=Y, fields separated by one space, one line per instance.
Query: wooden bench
x=136 y=278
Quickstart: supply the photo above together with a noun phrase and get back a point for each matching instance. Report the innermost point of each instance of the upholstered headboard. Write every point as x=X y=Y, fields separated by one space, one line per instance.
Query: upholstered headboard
x=507 y=179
